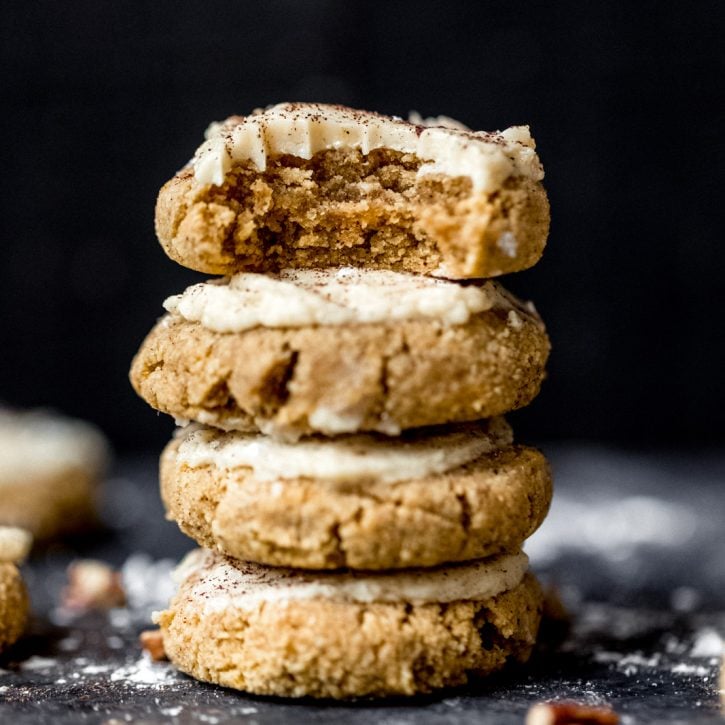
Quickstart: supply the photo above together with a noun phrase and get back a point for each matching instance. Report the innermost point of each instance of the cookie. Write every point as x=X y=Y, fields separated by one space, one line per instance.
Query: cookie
x=14 y=603
x=50 y=467
x=274 y=631
x=341 y=351
x=309 y=185
x=361 y=501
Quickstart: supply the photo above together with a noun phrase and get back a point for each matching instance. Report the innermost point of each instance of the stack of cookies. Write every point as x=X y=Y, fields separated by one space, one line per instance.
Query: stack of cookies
x=341 y=458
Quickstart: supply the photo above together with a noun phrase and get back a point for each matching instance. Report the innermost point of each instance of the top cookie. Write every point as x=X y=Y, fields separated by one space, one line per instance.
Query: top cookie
x=302 y=185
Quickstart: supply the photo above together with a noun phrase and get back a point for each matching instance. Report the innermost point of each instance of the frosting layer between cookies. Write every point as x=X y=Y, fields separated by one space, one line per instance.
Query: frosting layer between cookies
x=218 y=583
x=341 y=460
x=36 y=443
x=298 y=298
x=303 y=129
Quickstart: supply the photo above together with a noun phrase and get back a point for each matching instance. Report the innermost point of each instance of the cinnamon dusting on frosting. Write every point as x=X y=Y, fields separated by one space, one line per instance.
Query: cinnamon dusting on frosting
x=345 y=459
x=297 y=298
x=303 y=129
x=220 y=583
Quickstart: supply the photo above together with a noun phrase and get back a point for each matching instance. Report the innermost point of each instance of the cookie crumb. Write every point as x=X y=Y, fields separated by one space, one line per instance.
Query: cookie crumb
x=570 y=713
x=92 y=584
x=152 y=641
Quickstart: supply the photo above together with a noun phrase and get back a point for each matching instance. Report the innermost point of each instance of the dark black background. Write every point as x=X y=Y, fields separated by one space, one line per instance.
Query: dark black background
x=102 y=102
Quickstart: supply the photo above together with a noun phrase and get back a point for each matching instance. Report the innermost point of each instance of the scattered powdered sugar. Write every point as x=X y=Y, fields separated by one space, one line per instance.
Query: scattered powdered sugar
x=672 y=654
x=171 y=711
x=147 y=582
x=630 y=664
x=140 y=674
x=148 y=585
x=683 y=668
x=613 y=528
x=96 y=669
x=708 y=643
x=144 y=672
x=38 y=663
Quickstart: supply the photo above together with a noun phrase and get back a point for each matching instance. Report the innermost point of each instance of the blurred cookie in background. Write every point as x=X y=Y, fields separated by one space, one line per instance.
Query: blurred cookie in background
x=50 y=470
x=14 y=604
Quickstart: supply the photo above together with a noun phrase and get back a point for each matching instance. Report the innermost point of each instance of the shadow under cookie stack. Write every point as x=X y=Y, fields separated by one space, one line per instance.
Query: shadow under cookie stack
x=360 y=503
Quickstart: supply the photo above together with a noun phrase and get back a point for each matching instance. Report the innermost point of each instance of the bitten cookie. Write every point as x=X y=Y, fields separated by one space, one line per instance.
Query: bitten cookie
x=284 y=632
x=49 y=472
x=310 y=185
x=364 y=501
x=14 y=603
x=341 y=351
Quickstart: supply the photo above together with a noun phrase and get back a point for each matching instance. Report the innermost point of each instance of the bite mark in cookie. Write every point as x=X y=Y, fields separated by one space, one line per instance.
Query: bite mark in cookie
x=311 y=185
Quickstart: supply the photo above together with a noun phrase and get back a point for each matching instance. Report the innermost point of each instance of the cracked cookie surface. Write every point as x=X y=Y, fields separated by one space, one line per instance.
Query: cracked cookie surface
x=487 y=505
x=324 y=647
x=386 y=377
x=317 y=204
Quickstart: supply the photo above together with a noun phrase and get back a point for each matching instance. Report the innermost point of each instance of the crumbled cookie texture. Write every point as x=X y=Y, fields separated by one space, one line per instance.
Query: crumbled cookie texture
x=338 y=649
x=346 y=208
x=332 y=380
x=14 y=604
x=483 y=508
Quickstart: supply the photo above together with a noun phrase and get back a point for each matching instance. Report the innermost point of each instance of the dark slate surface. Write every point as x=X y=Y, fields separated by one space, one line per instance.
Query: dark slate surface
x=635 y=544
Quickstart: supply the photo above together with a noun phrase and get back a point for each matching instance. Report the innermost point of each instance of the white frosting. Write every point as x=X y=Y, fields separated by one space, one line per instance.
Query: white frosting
x=218 y=583
x=39 y=443
x=297 y=298
x=351 y=458
x=332 y=422
x=303 y=129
